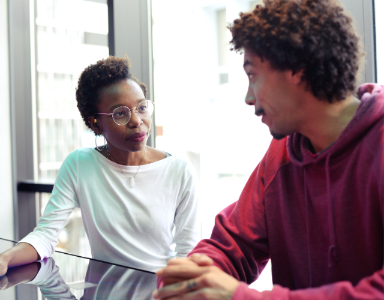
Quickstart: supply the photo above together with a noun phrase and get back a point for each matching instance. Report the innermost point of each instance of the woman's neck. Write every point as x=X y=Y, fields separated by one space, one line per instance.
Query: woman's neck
x=126 y=158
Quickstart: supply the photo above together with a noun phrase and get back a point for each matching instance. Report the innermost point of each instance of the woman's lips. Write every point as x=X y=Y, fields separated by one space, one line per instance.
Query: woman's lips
x=136 y=137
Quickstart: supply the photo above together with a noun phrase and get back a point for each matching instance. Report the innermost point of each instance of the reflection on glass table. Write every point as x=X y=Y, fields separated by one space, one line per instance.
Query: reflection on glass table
x=65 y=276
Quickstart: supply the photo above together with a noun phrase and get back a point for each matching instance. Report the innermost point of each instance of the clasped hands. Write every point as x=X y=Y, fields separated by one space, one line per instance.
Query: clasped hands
x=195 y=277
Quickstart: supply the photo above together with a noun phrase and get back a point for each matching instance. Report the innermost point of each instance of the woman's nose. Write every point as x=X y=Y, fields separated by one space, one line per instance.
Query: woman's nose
x=135 y=119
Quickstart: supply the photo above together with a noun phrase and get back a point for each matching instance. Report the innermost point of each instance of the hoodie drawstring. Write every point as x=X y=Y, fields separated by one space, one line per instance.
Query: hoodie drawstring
x=307 y=224
x=333 y=254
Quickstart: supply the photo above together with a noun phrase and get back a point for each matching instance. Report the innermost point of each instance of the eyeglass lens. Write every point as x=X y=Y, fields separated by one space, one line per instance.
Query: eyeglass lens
x=122 y=114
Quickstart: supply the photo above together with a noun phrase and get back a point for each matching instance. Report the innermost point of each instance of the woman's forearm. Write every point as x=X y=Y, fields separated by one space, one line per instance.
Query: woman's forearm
x=21 y=254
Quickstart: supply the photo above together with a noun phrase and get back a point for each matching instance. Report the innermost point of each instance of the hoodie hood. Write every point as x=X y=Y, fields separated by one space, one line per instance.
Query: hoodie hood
x=368 y=113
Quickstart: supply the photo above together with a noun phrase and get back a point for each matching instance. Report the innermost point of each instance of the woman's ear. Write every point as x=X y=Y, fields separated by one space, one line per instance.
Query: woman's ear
x=95 y=127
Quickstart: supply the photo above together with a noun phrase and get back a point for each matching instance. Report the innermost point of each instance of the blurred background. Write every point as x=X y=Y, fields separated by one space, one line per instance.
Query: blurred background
x=180 y=50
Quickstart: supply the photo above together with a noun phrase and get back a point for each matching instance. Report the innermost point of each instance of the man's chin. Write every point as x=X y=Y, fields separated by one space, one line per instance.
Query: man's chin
x=278 y=136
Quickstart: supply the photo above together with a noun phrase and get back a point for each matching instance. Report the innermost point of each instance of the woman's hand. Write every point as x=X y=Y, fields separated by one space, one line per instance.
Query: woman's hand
x=3 y=265
x=207 y=282
x=3 y=282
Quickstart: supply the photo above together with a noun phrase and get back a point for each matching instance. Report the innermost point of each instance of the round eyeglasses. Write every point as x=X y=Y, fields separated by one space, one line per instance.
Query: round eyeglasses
x=122 y=114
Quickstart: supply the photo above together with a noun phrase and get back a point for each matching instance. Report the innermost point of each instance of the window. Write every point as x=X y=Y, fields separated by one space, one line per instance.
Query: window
x=68 y=38
x=379 y=28
x=200 y=88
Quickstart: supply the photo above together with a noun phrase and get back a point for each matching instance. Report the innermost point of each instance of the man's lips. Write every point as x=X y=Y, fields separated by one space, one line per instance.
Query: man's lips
x=137 y=137
x=262 y=119
x=259 y=112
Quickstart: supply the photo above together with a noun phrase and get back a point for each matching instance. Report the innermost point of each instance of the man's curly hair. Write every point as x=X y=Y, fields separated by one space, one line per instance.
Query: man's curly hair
x=95 y=77
x=315 y=36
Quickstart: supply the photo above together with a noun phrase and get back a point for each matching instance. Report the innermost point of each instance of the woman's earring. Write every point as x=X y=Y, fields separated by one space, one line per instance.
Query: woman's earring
x=149 y=131
x=105 y=143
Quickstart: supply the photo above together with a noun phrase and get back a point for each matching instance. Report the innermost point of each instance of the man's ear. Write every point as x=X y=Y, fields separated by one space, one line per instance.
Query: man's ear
x=95 y=127
x=297 y=77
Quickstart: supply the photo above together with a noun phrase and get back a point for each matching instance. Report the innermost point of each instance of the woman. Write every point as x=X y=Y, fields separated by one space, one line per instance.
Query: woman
x=131 y=196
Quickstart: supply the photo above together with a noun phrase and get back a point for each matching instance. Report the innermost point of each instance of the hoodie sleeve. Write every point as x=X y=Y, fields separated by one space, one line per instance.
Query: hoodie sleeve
x=239 y=243
x=369 y=288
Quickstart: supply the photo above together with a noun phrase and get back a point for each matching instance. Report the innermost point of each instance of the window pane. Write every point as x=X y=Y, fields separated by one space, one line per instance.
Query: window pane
x=379 y=7
x=68 y=38
x=200 y=87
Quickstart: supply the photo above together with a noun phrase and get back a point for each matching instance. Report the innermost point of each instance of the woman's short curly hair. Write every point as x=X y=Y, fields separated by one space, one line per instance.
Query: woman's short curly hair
x=315 y=36
x=95 y=77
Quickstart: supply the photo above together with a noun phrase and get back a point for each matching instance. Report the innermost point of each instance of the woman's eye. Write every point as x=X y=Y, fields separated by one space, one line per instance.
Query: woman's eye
x=119 y=114
x=142 y=108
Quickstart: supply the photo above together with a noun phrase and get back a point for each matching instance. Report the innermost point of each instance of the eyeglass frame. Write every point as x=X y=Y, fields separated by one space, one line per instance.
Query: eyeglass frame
x=130 y=110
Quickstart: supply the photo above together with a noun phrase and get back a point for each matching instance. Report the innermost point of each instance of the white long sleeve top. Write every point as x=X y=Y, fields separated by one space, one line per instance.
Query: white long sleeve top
x=127 y=226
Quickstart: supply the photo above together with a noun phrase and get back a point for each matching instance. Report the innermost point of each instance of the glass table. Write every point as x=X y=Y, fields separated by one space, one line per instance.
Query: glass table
x=68 y=276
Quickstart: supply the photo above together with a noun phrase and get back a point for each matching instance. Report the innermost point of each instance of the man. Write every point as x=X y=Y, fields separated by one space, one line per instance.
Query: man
x=314 y=204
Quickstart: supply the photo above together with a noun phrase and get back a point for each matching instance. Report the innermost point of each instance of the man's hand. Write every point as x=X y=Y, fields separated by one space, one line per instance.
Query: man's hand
x=193 y=260
x=212 y=284
x=195 y=278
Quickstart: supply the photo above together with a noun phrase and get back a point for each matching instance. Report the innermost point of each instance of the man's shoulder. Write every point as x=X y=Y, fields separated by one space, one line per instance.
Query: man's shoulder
x=372 y=141
x=277 y=154
x=275 y=158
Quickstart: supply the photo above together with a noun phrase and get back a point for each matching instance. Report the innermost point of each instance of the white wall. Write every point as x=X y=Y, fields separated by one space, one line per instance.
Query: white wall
x=6 y=197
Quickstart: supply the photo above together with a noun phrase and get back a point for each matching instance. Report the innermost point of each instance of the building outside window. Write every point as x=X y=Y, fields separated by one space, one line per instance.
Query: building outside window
x=69 y=35
x=199 y=89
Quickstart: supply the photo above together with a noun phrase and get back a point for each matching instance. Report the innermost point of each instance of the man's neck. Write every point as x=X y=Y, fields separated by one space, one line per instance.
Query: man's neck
x=326 y=121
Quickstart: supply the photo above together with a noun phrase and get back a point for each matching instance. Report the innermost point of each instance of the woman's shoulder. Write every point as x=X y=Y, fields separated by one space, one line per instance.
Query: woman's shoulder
x=179 y=165
x=156 y=155
x=80 y=154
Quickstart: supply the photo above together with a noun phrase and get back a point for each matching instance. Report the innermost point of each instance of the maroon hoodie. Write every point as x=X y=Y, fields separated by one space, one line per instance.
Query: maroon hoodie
x=319 y=218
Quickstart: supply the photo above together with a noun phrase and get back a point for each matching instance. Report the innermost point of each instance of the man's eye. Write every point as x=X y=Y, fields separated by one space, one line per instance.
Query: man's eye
x=142 y=108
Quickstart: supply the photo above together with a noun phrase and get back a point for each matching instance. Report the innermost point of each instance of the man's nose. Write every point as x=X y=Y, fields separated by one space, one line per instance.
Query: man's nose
x=250 y=98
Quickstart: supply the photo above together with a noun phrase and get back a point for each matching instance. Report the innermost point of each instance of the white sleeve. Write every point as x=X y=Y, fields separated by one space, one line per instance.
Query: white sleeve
x=187 y=223
x=63 y=200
